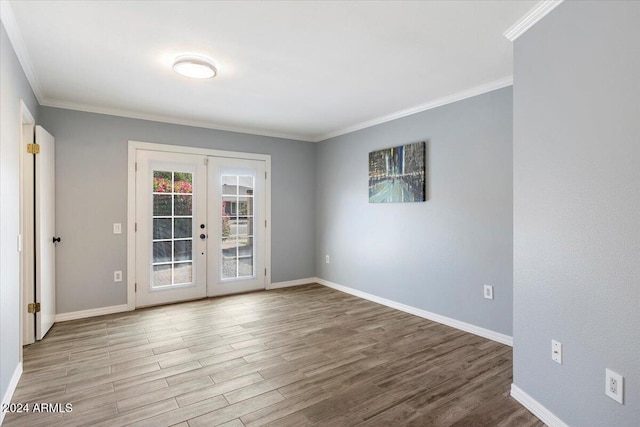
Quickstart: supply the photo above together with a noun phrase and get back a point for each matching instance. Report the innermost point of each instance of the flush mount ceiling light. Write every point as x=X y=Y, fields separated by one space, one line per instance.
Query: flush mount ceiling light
x=195 y=66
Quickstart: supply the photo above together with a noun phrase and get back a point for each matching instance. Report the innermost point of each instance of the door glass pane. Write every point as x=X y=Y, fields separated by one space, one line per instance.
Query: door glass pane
x=229 y=250
x=182 y=250
x=162 y=275
x=182 y=205
x=237 y=226
x=245 y=246
x=229 y=184
x=229 y=269
x=161 y=251
x=245 y=266
x=172 y=228
x=182 y=273
x=161 y=228
x=243 y=226
x=229 y=205
x=161 y=205
x=162 y=182
x=246 y=182
x=182 y=182
x=182 y=228
x=244 y=206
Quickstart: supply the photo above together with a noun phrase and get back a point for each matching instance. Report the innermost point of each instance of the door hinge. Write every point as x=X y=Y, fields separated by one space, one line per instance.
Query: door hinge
x=265 y=175
x=265 y=271
x=206 y=161
x=265 y=223
x=136 y=166
x=33 y=148
x=136 y=227
x=33 y=308
x=135 y=287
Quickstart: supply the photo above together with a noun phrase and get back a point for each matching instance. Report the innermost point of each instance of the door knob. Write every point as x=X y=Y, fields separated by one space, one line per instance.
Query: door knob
x=56 y=240
x=201 y=225
x=203 y=236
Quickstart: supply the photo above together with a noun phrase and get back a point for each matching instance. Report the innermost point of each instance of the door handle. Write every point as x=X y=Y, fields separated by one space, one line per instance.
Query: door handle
x=56 y=240
x=203 y=236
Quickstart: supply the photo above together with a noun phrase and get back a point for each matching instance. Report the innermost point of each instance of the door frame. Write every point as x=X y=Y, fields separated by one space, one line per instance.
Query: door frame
x=27 y=230
x=131 y=201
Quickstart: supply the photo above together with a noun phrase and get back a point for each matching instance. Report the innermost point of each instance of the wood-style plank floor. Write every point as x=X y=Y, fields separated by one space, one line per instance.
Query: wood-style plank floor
x=292 y=357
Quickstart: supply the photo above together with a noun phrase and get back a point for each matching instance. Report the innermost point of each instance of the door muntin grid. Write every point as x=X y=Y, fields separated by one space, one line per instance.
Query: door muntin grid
x=237 y=249
x=173 y=229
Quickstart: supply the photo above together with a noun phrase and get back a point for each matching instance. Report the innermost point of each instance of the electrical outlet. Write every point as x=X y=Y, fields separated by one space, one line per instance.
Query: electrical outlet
x=556 y=352
x=614 y=386
x=488 y=291
x=117 y=276
x=117 y=228
x=326 y=259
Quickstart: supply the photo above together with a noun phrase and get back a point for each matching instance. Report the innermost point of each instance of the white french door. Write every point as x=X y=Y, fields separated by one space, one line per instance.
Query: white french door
x=200 y=226
x=170 y=209
x=237 y=214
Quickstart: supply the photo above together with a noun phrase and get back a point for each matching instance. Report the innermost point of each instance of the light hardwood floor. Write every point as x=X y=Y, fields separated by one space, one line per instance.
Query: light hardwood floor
x=292 y=357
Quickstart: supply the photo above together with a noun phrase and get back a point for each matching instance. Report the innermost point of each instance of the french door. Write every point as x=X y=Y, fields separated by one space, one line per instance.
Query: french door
x=237 y=212
x=170 y=206
x=197 y=228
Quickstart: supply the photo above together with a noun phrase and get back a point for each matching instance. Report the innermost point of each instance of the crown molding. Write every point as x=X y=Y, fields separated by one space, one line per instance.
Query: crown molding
x=169 y=119
x=15 y=36
x=468 y=93
x=536 y=13
x=478 y=90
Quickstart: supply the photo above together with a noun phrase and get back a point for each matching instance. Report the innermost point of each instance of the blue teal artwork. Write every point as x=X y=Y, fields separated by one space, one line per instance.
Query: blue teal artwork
x=396 y=175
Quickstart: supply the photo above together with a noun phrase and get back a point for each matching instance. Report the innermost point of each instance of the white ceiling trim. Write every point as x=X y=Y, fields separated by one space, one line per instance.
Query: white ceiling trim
x=169 y=119
x=478 y=90
x=530 y=18
x=13 y=31
x=468 y=93
x=15 y=36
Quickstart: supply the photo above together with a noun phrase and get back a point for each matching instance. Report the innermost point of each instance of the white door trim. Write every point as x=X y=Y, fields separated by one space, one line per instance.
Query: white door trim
x=131 y=201
x=25 y=239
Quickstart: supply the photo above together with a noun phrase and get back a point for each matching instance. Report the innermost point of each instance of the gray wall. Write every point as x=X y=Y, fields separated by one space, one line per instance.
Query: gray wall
x=14 y=87
x=435 y=255
x=577 y=210
x=91 y=187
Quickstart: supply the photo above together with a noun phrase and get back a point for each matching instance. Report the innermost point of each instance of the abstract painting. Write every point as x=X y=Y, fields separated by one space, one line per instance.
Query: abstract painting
x=396 y=175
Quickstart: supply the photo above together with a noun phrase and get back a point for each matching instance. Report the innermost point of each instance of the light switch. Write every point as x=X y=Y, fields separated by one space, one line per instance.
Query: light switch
x=117 y=228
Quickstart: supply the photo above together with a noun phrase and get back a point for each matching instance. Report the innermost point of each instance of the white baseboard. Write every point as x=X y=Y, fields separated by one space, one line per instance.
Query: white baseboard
x=73 y=315
x=290 y=283
x=536 y=408
x=463 y=326
x=6 y=399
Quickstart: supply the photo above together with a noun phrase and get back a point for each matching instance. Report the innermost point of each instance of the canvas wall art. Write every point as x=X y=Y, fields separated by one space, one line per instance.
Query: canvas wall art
x=397 y=174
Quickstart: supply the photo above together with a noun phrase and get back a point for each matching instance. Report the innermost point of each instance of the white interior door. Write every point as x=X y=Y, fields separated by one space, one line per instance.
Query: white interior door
x=237 y=209
x=45 y=220
x=171 y=227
